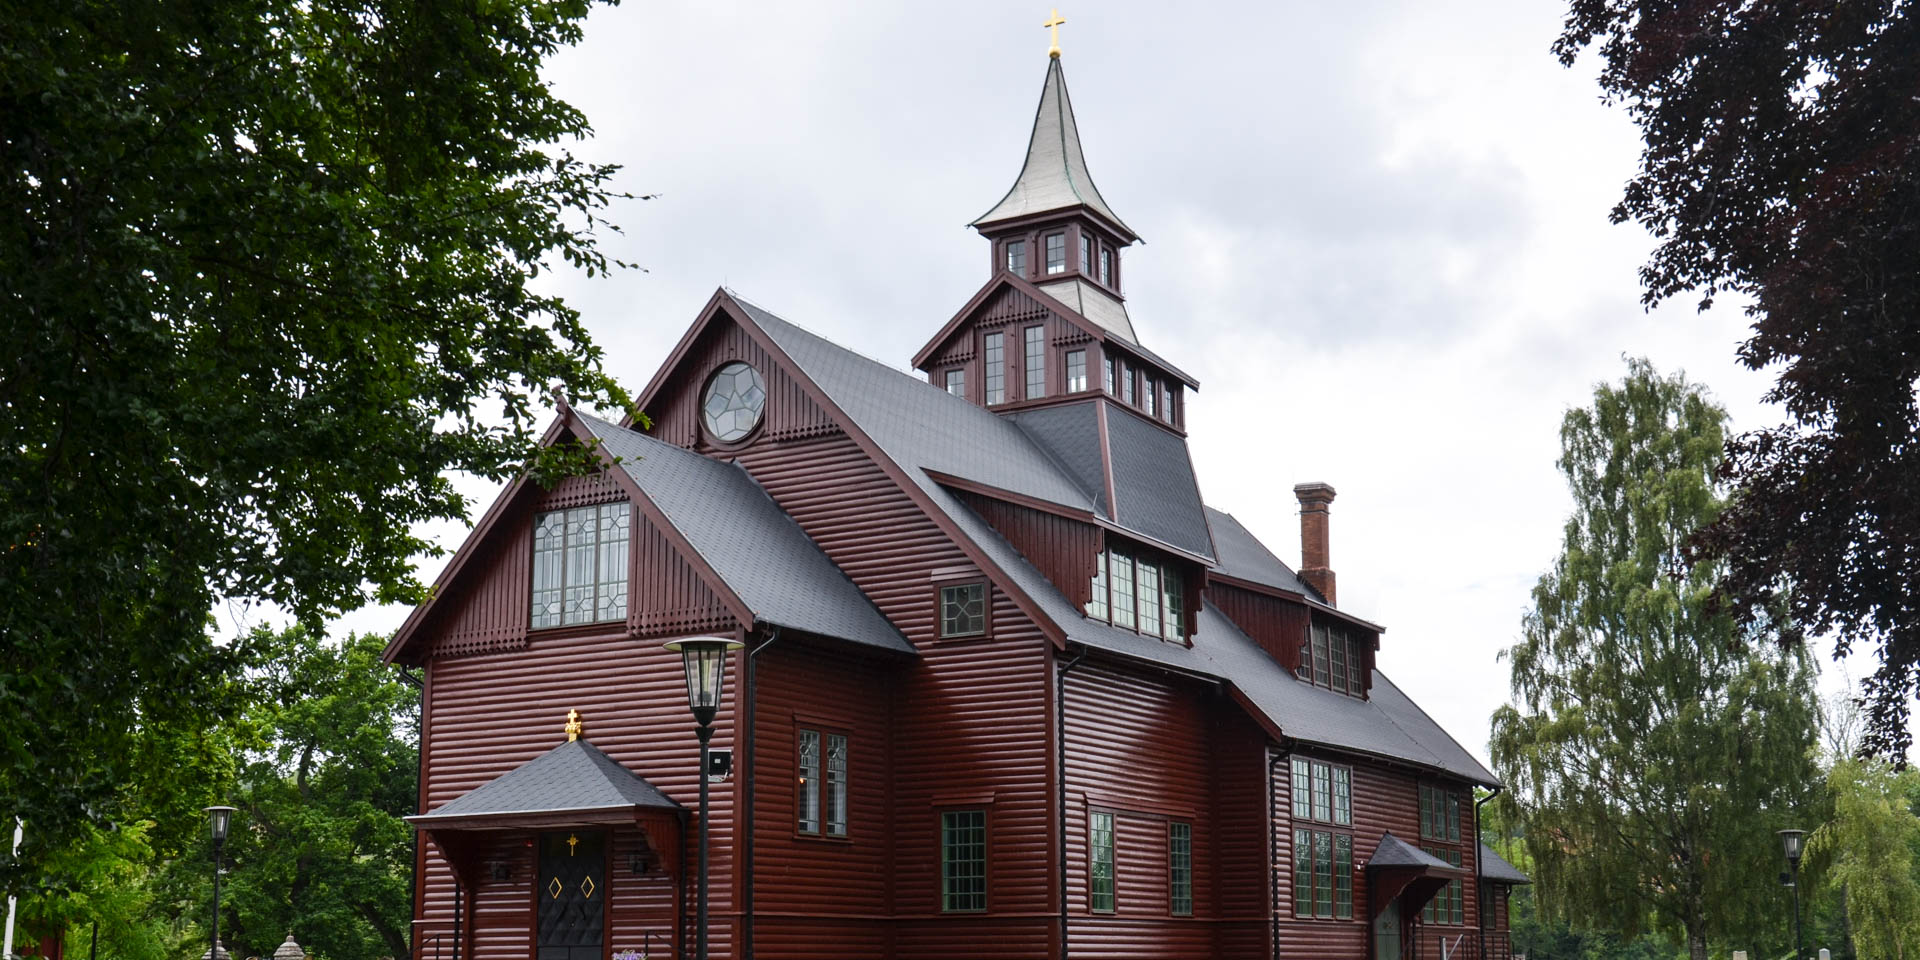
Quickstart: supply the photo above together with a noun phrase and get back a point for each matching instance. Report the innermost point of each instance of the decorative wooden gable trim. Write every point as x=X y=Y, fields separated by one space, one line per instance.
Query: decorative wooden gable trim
x=673 y=400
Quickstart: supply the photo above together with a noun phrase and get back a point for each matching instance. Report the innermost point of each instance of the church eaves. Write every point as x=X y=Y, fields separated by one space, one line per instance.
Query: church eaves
x=1055 y=176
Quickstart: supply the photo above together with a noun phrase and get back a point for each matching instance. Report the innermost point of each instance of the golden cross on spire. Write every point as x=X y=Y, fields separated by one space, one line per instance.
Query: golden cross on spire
x=573 y=725
x=1053 y=23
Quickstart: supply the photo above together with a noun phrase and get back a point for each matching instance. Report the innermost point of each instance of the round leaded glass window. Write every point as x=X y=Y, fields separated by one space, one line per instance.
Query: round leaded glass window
x=734 y=400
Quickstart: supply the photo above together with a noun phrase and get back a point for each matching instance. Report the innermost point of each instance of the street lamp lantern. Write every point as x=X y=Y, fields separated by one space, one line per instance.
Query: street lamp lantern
x=1794 y=842
x=706 y=663
x=218 y=819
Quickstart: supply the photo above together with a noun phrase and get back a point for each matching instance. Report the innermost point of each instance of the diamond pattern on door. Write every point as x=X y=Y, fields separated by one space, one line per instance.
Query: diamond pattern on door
x=572 y=915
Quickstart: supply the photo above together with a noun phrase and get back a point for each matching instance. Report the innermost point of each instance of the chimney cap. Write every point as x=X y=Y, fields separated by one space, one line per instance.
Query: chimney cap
x=1314 y=491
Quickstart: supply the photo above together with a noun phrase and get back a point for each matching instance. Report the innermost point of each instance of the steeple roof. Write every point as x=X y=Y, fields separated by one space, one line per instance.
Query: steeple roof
x=1055 y=176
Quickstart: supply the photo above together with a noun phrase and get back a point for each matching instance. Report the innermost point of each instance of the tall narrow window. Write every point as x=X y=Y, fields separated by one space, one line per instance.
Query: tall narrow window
x=1076 y=371
x=580 y=565
x=1322 y=792
x=1180 y=869
x=1174 y=604
x=1035 y=356
x=1356 y=667
x=1097 y=605
x=807 y=785
x=1056 y=253
x=1303 y=873
x=1323 y=873
x=963 y=610
x=1120 y=569
x=1302 y=788
x=963 y=861
x=1110 y=366
x=1017 y=257
x=1166 y=403
x=1147 y=579
x=836 y=785
x=1106 y=266
x=1342 y=876
x=1100 y=862
x=1086 y=253
x=1337 y=657
x=1320 y=655
x=1150 y=392
x=957 y=383
x=996 y=360
x=1342 y=795
x=1126 y=384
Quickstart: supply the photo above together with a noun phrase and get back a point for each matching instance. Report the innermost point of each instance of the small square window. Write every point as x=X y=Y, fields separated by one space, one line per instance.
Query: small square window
x=957 y=383
x=1056 y=253
x=963 y=610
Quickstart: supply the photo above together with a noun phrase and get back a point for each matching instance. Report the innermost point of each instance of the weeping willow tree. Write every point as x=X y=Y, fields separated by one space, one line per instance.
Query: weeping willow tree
x=1654 y=744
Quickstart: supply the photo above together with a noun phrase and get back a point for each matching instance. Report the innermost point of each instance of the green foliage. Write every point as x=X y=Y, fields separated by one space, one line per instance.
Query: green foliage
x=1653 y=747
x=1869 y=852
x=267 y=280
x=1780 y=163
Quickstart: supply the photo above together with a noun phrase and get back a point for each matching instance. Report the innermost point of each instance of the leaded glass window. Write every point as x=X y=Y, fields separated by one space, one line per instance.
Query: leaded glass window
x=1017 y=257
x=1342 y=876
x=1035 y=357
x=1180 y=868
x=963 y=610
x=1120 y=569
x=1342 y=795
x=1056 y=253
x=1100 y=862
x=1147 y=579
x=734 y=400
x=1302 y=800
x=1076 y=371
x=836 y=785
x=1097 y=606
x=1322 y=792
x=957 y=383
x=996 y=359
x=807 y=787
x=963 y=861
x=580 y=565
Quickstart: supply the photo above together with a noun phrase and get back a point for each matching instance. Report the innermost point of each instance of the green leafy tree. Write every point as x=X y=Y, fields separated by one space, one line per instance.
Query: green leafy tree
x=1654 y=746
x=265 y=275
x=1782 y=163
x=1870 y=852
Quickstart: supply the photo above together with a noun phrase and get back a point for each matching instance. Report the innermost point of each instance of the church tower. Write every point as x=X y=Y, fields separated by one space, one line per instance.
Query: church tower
x=1051 y=325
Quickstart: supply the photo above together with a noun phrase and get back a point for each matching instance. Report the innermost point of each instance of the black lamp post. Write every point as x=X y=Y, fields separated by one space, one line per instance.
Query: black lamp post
x=1794 y=841
x=706 y=662
x=218 y=819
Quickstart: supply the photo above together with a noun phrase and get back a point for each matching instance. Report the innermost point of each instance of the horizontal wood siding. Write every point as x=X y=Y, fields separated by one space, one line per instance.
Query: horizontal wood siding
x=491 y=713
x=1385 y=800
x=675 y=409
x=1063 y=550
x=1278 y=626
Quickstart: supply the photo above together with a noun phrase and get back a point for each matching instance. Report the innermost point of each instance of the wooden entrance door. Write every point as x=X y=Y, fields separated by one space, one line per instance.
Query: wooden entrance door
x=572 y=894
x=1386 y=933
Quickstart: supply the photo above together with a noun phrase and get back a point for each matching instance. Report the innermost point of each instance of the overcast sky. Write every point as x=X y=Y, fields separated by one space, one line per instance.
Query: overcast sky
x=1375 y=231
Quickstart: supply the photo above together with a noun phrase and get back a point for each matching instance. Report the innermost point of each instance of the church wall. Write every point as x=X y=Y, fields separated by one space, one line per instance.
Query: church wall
x=1385 y=800
x=487 y=714
x=970 y=717
x=1010 y=311
x=1062 y=550
x=675 y=410
x=1278 y=626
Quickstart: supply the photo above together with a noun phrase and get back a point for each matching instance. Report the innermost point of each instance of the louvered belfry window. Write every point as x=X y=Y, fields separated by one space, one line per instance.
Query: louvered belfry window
x=580 y=565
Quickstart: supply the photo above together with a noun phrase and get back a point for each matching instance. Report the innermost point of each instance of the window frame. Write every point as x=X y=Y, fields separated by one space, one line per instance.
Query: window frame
x=1094 y=848
x=1086 y=253
x=1053 y=267
x=948 y=381
x=1169 y=612
x=1441 y=836
x=1033 y=361
x=1179 y=859
x=1329 y=646
x=1015 y=249
x=993 y=358
x=1074 y=383
x=940 y=608
x=817 y=788
x=602 y=550
x=943 y=896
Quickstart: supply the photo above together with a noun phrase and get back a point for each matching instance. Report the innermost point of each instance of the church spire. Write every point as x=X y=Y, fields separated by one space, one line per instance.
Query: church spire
x=1055 y=177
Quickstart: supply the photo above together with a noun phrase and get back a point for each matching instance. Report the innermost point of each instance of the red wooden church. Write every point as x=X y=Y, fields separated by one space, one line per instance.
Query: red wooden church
x=1009 y=688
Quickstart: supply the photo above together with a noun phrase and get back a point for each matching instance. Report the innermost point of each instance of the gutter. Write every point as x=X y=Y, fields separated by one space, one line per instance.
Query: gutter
x=1273 y=845
x=1480 y=887
x=1060 y=720
x=746 y=819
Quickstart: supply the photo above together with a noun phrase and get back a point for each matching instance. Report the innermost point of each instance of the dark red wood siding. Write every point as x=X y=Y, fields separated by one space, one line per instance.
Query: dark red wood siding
x=1278 y=626
x=1063 y=550
x=675 y=410
x=1011 y=311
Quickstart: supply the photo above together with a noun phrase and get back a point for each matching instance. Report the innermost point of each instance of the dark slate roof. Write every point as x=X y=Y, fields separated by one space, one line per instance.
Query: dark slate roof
x=1241 y=555
x=1495 y=868
x=756 y=548
x=1153 y=485
x=574 y=776
x=1392 y=851
x=1071 y=433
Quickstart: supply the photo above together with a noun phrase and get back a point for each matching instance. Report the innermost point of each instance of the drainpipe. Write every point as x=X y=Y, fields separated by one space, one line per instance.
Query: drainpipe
x=1479 y=888
x=1060 y=719
x=1273 y=842
x=746 y=819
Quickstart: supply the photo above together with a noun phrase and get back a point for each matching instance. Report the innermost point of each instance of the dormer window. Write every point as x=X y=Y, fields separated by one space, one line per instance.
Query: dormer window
x=1056 y=253
x=1335 y=658
x=1017 y=257
x=1140 y=594
x=580 y=565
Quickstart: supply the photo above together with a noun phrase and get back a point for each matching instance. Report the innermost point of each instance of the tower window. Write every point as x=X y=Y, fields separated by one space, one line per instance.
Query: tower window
x=1035 y=357
x=1076 y=371
x=1106 y=266
x=1086 y=253
x=1126 y=385
x=996 y=354
x=1017 y=257
x=1151 y=394
x=1111 y=365
x=1056 y=253
x=1166 y=404
x=957 y=383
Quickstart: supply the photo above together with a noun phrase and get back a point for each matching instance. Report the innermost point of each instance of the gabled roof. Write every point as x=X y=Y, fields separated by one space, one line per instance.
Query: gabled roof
x=1069 y=300
x=1055 y=175
x=752 y=545
x=1494 y=868
x=1242 y=556
x=1392 y=851
x=574 y=777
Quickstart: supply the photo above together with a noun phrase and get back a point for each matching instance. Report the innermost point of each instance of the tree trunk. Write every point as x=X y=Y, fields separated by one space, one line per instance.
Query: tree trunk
x=1696 y=939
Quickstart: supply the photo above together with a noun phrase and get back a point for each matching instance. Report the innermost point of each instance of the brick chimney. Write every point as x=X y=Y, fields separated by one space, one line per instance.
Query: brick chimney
x=1314 y=500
